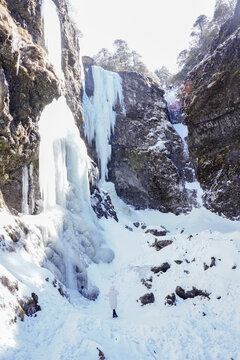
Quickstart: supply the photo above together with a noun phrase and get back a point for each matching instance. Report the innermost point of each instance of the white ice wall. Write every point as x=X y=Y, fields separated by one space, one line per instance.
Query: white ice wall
x=99 y=115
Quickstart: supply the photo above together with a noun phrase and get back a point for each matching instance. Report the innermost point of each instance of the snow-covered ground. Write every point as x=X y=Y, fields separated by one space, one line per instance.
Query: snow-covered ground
x=74 y=329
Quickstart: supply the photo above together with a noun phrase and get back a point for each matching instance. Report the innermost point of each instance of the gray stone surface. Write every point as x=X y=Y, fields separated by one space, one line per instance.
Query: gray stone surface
x=212 y=114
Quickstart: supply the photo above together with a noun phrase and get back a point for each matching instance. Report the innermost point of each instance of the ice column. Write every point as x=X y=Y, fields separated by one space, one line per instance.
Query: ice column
x=99 y=114
x=32 y=190
x=64 y=186
x=52 y=35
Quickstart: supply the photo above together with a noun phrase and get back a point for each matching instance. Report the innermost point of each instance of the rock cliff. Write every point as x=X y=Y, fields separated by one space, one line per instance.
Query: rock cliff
x=212 y=114
x=148 y=161
x=28 y=82
x=147 y=164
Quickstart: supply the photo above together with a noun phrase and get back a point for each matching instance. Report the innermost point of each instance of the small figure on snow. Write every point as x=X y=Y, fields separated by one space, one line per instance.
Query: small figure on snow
x=112 y=294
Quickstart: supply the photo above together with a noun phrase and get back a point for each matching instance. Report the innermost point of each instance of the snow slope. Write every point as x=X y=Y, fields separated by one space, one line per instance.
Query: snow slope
x=75 y=328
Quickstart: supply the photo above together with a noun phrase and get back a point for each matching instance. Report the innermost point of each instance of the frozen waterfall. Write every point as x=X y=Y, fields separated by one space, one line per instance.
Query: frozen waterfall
x=74 y=239
x=63 y=174
x=99 y=113
x=52 y=35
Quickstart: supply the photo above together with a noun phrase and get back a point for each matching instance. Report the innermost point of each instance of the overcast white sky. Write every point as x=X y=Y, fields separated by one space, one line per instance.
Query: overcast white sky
x=156 y=29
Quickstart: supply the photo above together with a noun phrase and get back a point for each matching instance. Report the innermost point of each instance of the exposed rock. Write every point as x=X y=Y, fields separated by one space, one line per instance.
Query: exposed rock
x=102 y=204
x=31 y=306
x=156 y=232
x=147 y=299
x=146 y=282
x=11 y=285
x=148 y=164
x=205 y=266
x=179 y=262
x=89 y=82
x=128 y=228
x=212 y=114
x=213 y=263
x=70 y=62
x=190 y=293
x=101 y=354
x=227 y=28
x=27 y=84
x=147 y=154
x=60 y=288
x=160 y=244
x=24 y=10
x=162 y=268
x=170 y=299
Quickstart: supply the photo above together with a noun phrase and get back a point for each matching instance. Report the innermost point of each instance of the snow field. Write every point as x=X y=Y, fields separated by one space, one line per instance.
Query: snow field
x=66 y=330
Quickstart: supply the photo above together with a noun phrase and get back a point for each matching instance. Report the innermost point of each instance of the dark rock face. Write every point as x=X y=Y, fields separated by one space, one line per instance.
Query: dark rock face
x=212 y=114
x=89 y=82
x=147 y=154
x=24 y=10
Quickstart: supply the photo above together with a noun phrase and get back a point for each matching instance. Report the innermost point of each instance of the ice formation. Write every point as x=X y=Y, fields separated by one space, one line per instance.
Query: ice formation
x=31 y=190
x=99 y=113
x=52 y=35
x=75 y=238
x=63 y=174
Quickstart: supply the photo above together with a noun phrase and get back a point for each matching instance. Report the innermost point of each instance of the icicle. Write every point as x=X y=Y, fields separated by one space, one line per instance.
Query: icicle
x=99 y=114
x=32 y=190
x=18 y=64
x=25 y=209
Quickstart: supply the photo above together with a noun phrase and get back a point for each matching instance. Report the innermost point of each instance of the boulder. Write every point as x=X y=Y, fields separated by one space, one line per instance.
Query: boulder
x=160 y=244
x=170 y=299
x=147 y=299
x=162 y=268
x=190 y=293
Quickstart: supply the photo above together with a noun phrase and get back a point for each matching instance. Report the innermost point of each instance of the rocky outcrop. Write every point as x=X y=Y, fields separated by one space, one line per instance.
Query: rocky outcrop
x=71 y=62
x=212 y=114
x=147 y=154
x=28 y=83
x=22 y=12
